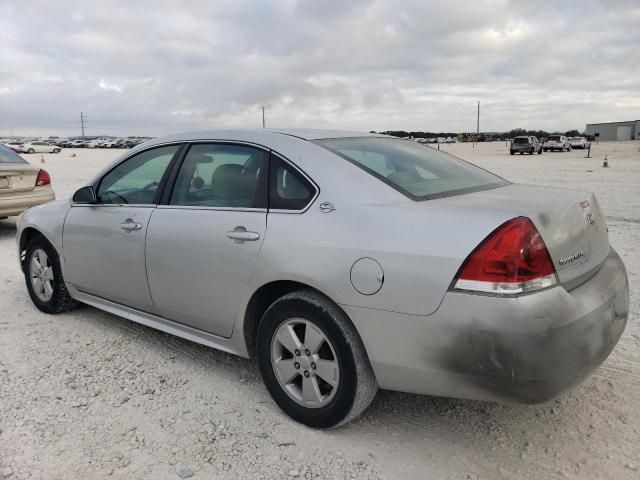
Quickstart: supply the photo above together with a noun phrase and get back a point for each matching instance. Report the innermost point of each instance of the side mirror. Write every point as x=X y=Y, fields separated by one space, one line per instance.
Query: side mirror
x=85 y=195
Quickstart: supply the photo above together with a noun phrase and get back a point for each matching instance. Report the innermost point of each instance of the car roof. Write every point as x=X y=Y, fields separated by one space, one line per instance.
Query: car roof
x=259 y=135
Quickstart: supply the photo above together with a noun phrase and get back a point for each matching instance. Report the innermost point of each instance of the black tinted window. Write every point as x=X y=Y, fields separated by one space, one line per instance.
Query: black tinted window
x=9 y=156
x=216 y=175
x=288 y=189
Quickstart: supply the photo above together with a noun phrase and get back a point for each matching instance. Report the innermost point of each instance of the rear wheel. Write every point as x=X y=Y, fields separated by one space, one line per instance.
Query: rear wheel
x=313 y=361
x=31 y=150
x=511 y=152
x=43 y=276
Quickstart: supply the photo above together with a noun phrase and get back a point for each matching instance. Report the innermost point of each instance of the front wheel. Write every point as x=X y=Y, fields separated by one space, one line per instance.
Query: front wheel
x=31 y=150
x=313 y=361
x=43 y=276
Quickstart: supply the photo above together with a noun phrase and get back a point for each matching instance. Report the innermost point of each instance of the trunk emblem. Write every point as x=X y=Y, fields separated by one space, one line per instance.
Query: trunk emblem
x=572 y=258
x=588 y=214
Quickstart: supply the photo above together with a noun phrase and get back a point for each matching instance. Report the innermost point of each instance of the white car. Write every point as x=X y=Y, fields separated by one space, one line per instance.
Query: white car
x=557 y=142
x=39 y=147
x=579 y=142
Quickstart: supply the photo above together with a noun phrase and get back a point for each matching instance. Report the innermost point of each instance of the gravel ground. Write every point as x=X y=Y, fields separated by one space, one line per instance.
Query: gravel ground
x=89 y=395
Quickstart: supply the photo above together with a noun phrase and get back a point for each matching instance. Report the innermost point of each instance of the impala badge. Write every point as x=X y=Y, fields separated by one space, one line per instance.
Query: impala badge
x=327 y=207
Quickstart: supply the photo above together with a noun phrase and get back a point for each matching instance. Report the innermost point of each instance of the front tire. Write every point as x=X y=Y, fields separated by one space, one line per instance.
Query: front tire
x=31 y=150
x=44 y=279
x=313 y=361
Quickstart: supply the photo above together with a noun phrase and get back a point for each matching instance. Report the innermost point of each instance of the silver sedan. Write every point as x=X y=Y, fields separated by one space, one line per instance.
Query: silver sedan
x=342 y=262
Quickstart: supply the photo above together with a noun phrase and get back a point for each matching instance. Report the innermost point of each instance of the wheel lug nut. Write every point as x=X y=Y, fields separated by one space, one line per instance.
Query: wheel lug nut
x=296 y=365
x=307 y=352
x=297 y=352
x=313 y=365
x=306 y=373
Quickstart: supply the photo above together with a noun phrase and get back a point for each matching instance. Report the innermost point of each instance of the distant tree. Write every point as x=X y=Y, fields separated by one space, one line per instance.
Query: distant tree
x=372 y=131
x=572 y=133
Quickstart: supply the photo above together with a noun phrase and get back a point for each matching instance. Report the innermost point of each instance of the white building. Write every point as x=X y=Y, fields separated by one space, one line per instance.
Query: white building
x=615 y=130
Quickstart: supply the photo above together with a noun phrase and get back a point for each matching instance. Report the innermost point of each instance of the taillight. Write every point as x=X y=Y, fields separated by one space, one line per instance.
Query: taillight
x=43 y=178
x=513 y=259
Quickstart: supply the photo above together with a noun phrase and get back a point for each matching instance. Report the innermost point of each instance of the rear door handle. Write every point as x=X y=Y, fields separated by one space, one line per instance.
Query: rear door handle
x=240 y=235
x=129 y=225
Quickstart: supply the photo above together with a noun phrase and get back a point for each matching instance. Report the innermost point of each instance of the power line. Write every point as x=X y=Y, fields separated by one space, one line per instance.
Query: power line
x=83 y=117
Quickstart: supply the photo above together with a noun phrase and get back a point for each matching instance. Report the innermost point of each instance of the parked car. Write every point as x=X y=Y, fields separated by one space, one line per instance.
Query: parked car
x=15 y=146
x=557 y=142
x=78 y=143
x=342 y=262
x=579 y=142
x=21 y=185
x=525 y=144
x=39 y=147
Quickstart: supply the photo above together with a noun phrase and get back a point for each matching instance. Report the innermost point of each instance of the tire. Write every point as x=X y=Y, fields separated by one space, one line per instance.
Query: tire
x=31 y=150
x=511 y=152
x=306 y=311
x=56 y=150
x=59 y=300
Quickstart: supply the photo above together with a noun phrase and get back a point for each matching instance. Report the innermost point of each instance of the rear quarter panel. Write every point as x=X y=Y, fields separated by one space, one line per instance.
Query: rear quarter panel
x=419 y=247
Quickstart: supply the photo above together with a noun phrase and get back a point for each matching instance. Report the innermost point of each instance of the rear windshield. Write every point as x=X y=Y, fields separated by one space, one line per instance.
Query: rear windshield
x=9 y=156
x=521 y=140
x=555 y=138
x=419 y=172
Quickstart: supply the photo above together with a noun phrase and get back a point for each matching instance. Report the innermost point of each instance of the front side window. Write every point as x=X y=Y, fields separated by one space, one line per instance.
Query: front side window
x=416 y=171
x=223 y=176
x=137 y=179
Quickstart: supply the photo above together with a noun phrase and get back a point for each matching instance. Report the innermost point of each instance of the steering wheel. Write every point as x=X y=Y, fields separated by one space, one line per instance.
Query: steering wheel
x=151 y=186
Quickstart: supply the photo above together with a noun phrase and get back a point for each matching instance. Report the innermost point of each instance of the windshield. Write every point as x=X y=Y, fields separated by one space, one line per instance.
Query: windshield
x=419 y=172
x=9 y=156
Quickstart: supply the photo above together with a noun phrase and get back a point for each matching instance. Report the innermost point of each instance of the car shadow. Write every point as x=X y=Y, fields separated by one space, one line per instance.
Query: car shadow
x=7 y=228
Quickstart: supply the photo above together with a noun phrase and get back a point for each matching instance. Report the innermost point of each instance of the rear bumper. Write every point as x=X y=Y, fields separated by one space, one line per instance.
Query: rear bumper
x=12 y=205
x=525 y=350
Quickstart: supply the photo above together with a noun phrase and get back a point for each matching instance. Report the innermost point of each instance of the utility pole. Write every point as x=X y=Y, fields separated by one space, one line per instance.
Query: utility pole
x=262 y=107
x=478 y=122
x=83 y=117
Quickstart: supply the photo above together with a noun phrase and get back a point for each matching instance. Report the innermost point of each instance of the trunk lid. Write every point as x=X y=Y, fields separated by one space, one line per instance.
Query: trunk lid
x=17 y=177
x=570 y=223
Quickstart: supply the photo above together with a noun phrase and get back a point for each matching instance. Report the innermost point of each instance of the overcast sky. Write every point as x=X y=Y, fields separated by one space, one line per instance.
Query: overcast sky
x=155 y=67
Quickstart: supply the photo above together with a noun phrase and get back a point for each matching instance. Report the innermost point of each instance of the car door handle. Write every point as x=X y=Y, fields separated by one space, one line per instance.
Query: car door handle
x=129 y=225
x=240 y=234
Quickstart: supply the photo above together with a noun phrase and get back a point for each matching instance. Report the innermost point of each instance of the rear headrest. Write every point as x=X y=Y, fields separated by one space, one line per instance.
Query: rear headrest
x=229 y=183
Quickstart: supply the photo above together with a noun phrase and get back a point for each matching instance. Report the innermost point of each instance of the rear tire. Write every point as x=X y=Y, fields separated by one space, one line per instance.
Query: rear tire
x=31 y=150
x=511 y=152
x=42 y=266
x=315 y=330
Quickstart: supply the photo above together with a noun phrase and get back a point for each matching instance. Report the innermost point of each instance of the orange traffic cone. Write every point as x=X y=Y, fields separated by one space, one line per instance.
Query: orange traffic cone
x=605 y=164
x=42 y=159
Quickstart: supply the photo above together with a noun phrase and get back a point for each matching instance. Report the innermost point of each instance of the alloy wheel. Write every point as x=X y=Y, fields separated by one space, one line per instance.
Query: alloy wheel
x=305 y=363
x=41 y=273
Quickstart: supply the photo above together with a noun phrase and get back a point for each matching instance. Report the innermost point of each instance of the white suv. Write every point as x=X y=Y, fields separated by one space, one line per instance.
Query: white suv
x=557 y=142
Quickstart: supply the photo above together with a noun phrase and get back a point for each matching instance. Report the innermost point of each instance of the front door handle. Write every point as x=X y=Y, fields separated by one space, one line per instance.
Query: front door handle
x=240 y=235
x=129 y=225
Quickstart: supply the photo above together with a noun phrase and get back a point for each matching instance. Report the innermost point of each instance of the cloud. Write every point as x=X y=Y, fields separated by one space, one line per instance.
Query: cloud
x=155 y=67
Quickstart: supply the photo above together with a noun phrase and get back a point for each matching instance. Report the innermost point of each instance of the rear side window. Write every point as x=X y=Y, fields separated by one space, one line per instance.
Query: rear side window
x=9 y=156
x=223 y=176
x=288 y=188
x=417 y=171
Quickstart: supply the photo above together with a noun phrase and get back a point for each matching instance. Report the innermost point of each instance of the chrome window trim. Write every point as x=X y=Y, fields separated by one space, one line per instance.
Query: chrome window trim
x=96 y=180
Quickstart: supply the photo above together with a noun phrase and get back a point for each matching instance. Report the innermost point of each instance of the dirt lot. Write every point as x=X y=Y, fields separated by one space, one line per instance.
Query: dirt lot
x=89 y=395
